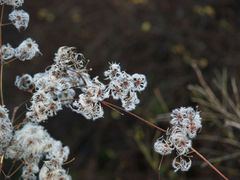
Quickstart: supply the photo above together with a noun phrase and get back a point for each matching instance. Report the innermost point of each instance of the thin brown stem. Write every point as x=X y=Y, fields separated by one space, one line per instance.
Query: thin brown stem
x=5 y=175
x=14 y=113
x=19 y=125
x=9 y=61
x=11 y=168
x=136 y=116
x=14 y=118
x=1 y=162
x=70 y=161
x=6 y=24
x=114 y=109
x=210 y=164
x=18 y=118
x=16 y=170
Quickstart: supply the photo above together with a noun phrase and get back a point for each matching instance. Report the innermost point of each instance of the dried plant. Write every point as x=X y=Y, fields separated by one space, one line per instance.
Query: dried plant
x=67 y=84
x=220 y=106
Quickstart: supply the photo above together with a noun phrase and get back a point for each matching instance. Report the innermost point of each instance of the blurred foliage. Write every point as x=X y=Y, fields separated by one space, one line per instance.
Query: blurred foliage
x=220 y=106
x=46 y=15
x=146 y=26
x=204 y=10
x=180 y=50
x=138 y=1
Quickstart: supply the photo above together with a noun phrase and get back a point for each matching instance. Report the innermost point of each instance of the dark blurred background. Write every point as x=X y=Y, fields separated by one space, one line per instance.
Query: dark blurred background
x=158 y=38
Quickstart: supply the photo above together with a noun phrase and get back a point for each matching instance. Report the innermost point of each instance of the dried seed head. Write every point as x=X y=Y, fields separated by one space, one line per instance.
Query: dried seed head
x=19 y=18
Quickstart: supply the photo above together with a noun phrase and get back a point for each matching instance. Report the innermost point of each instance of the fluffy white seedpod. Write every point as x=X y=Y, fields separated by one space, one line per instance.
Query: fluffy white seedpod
x=87 y=106
x=130 y=101
x=139 y=81
x=40 y=111
x=192 y=128
x=178 y=115
x=181 y=163
x=58 y=153
x=49 y=172
x=14 y=3
x=49 y=97
x=121 y=85
x=7 y=52
x=188 y=119
x=29 y=171
x=88 y=103
x=113 y=72
x=180 y=140
x=163 y=147
x=100 y=89
x=67 y=97
x=38 y=76
x=6 y=129
x=24 y=82
x=30 y=141
x=27 y=50
x=41 y=81
x=19 y=18
x=116 y=91
x=67 y=56
x=126 y=81
x=124 y=86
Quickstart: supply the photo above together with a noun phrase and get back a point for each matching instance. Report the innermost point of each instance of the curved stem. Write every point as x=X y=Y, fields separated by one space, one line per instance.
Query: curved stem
x=150 y=124
x=11 y=168
x=1 y=162
x=114 y=109
x=6 y=24
x=134 y=115
x=9 y=61
x=15 y=171
x=210 y=164
x=70 y=161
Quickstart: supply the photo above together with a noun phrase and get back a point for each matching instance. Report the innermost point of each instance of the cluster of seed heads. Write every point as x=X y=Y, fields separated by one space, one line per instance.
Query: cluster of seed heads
x=27 y=50
x=66 y=83
x=20 y=19
x=43 y=157
x=32 y=143
x=6 y=129
x=13 y=3
x=185 y=123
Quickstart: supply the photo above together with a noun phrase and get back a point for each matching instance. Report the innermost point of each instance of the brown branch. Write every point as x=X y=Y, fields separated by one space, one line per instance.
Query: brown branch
x=210 y=164
x=136 y=116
